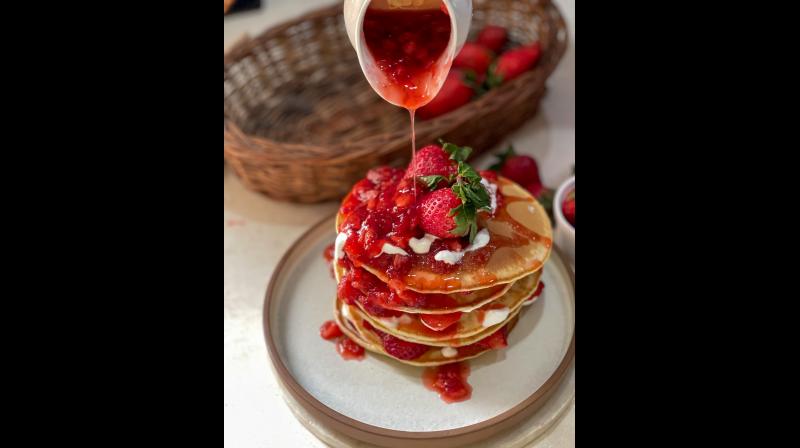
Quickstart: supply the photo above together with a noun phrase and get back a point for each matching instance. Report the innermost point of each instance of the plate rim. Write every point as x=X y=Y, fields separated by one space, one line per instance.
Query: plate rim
x=317 y=407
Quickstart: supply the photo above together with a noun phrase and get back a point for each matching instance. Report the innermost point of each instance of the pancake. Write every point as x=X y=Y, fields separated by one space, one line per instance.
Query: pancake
x=519 y=244
x=355 y=329
x=464 y=301
x=410 y=327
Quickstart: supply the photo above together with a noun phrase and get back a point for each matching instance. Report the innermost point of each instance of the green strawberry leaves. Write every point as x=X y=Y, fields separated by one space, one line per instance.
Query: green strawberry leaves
x=469 y=190
x=432 y=180
x=457 y=153
x=493 y=79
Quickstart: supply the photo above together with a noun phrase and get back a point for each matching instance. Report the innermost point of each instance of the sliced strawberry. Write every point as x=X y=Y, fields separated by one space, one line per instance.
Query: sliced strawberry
x=515 y=62
x=329 y=330
x=431 y=160
x=493 y=37
x=434 y=212
x=438 y=322
x=521 y=169
x=401 y=349
x=473 y=57
x=454 y=93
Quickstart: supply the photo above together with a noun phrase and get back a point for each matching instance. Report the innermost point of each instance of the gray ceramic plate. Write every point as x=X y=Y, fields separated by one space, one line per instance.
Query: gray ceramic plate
x=379 y=400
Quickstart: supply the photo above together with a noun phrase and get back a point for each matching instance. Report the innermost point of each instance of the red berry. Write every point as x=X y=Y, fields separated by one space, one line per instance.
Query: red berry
x=568 y=208
x=429 y=161
x=329 y=330
x=384 y=175
x=537 y=293
x=401 y=349
x=454 y=94
x=535 y=188
x=328 y=253
x=434 y=212
x=493 y=37
x=439 y=322
x=473 y=57
x=488 y=175
x=348 y=349
x=496 y=340
x=521 y=169
x=515 y=62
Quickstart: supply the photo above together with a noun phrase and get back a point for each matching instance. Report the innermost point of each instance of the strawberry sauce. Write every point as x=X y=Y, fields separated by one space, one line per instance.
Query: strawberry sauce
x=381 y=209
x=449 y=381
x=349 y=350
x=407 y=46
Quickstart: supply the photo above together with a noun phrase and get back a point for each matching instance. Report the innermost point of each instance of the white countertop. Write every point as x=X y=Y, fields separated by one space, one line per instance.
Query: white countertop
x=259 y=230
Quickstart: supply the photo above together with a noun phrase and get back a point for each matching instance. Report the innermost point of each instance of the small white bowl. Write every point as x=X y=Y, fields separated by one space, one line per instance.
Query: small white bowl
x=565 y=232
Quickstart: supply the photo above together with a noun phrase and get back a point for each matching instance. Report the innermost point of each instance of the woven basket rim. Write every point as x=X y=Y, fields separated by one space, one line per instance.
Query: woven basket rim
x=342 y=151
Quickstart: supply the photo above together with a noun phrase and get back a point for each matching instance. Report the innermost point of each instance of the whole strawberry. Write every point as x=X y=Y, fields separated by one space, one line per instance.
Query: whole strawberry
x=431 y=160
x=455 y=93
x=434 y=212
x=493 y=37
x=521 y=169
x=568 y=208
x=473 y=57
x=513 y=63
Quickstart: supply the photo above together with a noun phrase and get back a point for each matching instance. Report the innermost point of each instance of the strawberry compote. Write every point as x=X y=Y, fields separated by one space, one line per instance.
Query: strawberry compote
x=406 y=45
x=382 y=209
x=378 y=299
x=406 y=350
x=449 y=381
x=349 y=350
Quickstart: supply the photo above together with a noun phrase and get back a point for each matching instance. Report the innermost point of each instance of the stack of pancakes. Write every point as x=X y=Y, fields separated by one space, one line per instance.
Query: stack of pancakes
x=465 y=312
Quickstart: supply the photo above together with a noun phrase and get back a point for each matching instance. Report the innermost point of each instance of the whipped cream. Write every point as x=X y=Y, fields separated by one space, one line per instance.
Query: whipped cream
x=453 y=257
x=393 y=322
x=346 y=312
x=449 y=256
x=492 y=190
x=422 y=245
x=391 y=249
x=338 y=246
x=495 y=316
x=449 y=352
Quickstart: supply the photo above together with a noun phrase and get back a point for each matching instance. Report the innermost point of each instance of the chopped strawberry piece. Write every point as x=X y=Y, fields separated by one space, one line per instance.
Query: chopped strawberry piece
x=495 y=340
x=449 y=381
x=329 y=330
x=401 y=349
x=348 y=349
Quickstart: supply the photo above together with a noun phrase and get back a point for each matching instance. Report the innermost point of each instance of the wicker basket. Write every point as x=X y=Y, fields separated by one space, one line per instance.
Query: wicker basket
x=302 y=123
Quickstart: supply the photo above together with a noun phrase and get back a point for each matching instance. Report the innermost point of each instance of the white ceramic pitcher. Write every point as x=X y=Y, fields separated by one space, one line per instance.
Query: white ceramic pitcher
x=460 y=12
